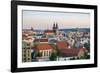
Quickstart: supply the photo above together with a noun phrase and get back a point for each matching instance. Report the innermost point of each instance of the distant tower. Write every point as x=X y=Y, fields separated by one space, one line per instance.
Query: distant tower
x=55 y=28
x=32 y=29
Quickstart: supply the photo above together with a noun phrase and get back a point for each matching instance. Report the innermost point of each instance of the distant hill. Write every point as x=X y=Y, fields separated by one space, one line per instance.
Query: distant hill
x=68 y=30
x=73 y=29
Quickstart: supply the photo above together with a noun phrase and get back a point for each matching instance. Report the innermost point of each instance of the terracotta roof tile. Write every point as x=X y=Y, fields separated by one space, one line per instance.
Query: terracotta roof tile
x=43 y=47
x=61 y=44
x=71 y=51
x=41 y=40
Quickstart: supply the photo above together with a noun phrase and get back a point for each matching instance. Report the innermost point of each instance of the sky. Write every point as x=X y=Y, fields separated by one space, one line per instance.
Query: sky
x=44 y=20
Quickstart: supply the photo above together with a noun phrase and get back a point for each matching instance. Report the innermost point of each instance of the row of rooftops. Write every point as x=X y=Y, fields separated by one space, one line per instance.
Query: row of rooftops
x=41 y=40
x=43 y=47
x=64 y=48
x=59 y=44
x=65 y=51
x=72 y=52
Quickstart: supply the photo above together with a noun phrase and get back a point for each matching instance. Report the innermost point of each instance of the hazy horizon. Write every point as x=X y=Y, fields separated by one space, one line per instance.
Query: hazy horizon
x=44 y=20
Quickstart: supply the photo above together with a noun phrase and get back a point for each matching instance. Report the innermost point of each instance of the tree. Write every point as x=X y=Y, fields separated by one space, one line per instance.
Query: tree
x=39 y=54
x=87 y=46
x=53 y=56
x=58 y=52
x=74 y=45
x=86 y=56
x=32 y=55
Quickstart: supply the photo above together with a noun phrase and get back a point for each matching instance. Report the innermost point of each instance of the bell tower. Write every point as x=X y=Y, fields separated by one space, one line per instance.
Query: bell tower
x=55 y=27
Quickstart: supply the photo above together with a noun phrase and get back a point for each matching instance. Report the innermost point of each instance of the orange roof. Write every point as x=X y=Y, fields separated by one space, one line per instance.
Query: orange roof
x=71 y=51
x=41 y=40
x=62 y=44
x=43 y=47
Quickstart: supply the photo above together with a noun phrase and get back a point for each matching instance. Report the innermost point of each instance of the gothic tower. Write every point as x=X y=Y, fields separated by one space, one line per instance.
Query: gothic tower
x=55 y=27
x=32 y=29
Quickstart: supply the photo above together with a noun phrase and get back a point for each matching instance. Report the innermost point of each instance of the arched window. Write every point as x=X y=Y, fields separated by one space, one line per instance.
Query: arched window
x=44 y=53
x=47 y=52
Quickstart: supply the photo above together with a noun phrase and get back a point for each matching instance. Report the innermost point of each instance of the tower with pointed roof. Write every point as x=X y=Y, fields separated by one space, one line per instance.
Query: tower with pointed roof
x=32 y=28
x=55 y=27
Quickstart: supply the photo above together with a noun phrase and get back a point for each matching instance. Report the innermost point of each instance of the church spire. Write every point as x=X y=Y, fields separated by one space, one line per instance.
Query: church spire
x=56 y=25
x=32 y=29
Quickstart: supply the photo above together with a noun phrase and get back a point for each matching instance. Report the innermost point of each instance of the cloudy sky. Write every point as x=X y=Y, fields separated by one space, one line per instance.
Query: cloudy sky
x=45 y=20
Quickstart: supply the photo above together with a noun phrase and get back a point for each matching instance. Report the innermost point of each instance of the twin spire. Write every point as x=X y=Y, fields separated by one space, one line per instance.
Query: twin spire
x=55 y=26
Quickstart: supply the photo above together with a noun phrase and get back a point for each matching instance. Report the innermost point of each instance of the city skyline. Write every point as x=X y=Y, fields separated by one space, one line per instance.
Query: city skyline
x=44 y=20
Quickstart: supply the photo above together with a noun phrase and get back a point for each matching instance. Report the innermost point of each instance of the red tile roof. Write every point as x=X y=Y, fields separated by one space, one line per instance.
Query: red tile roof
x=43 y=47
x=62 y=44
x=71 y=51
x=41 y=40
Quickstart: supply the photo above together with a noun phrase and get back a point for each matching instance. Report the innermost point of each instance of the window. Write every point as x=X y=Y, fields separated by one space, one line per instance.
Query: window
x=28 y=54
x=49 y=53
x=24 y=55
x=44 y=53
x=28 y=58
x=24 y=59
x=28 y=51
